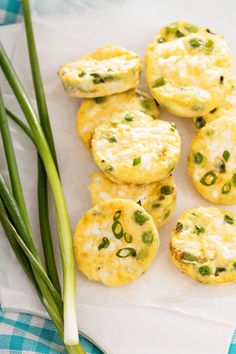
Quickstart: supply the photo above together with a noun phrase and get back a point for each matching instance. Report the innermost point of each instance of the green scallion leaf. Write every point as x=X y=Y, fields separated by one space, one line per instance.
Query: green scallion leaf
x=117 y=215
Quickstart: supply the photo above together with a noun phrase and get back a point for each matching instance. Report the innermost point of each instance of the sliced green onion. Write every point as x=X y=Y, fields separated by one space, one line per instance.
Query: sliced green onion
x=200 y=122
x=112 y=139
x=172 y=126
x=156 y=205
x=226 y=155
x=179 y=34
x=228 y=220
x=219 y=270
x=129 y=117
x=128 y=238
x=117 y=215
x=199 y=229
x=209 y=45
x=158 y=82
x=126 y=252
x=104 y=243
x=208 y=179
x=234 y=179
x=167 y=190
x=213 y=110
x=147 y=237
x=161 y=40
x=140 y=217
x=189 y=258
x=196 y=42
x=197 y=158
x=142 y=254
x=179 y=227
x=117 y=229
x=204 y=270
x=226 y=188
x=191 y=28
x=137 y=161
x=100 y=99
x=97 y=78
x=220 y=164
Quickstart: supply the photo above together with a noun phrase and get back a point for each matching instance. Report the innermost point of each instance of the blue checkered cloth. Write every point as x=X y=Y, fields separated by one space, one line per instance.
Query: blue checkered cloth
x=20 y=332
x=10 y=11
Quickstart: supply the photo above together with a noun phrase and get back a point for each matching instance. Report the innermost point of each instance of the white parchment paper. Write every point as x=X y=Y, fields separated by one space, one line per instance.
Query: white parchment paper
x=61 y=38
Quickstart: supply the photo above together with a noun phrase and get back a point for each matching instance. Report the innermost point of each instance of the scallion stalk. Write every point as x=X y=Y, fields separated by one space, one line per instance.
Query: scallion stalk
x=42 y=176
x=64 y=231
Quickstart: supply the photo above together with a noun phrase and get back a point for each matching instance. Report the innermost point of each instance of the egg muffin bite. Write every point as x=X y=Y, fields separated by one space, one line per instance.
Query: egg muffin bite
x=133 y=147
x=188 y=69
x=228 y=107
x=158 y=198
x=212 y=161
x=203 y=245
x=93 y=112
x=107 y=70
x=115 y=242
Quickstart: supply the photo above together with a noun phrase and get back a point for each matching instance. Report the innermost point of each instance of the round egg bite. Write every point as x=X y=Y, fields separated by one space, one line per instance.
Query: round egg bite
x=158 y=198
x=133 y=147
x=93 y=112
x=107 y=70
x=188 y=69
x=228 y=107
x=212 y=161
x=115 y=242
x=203 y=245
